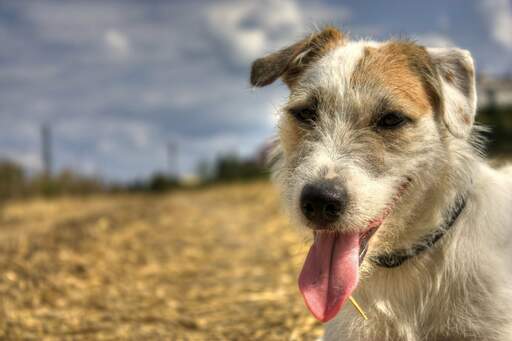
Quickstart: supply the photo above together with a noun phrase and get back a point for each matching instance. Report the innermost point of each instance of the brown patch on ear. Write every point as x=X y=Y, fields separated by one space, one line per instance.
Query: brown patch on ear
x=405 y=70
x=291 y=61
x=463 y=72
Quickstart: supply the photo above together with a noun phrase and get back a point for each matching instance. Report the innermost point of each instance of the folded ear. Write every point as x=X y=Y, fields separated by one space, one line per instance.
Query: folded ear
x=457 y=75
x=289 y=62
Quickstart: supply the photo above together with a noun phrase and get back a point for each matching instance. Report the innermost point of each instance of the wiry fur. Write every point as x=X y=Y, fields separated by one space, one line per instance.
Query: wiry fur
x=461 y=288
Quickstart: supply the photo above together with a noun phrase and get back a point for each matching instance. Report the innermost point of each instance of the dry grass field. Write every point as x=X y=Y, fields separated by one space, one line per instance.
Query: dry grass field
x=213 y=264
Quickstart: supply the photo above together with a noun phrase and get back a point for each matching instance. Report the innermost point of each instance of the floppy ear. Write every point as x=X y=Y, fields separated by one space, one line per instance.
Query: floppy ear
x=289 y=62
x=457 y=75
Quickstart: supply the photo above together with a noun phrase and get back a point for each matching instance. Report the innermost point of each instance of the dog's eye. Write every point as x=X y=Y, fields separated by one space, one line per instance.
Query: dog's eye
x=304 y=115
x=391 y=120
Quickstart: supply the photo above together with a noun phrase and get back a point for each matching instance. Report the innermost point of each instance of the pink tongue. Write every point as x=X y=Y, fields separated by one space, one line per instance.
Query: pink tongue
x=330 y=273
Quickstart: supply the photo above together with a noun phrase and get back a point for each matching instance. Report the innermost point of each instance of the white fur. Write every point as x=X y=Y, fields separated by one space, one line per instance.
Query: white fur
x=459 y=290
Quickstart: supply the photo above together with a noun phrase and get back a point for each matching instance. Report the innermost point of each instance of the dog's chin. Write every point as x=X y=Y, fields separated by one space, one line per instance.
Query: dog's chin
x=380 y=218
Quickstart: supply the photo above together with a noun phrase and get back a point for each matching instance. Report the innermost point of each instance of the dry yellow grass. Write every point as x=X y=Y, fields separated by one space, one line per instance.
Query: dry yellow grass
x=215 y=264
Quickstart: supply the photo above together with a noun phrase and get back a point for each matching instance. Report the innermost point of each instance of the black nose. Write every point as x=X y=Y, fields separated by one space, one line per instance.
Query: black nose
x=323 y=202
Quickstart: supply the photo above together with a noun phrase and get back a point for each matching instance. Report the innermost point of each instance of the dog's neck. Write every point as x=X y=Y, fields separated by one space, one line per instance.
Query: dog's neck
x=423 y=210
x=399 y=257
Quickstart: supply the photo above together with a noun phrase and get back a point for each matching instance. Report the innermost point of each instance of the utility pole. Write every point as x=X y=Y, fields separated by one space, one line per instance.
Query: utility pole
x=46 y=149
x=172 y=158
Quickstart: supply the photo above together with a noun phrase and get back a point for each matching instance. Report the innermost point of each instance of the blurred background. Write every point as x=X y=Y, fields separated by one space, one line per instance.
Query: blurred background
x=107 y=98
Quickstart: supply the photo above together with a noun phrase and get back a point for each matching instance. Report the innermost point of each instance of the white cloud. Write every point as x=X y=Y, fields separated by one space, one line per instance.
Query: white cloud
x=117 y=43
x=498 y=14
x=250 y=29
x=133 y=134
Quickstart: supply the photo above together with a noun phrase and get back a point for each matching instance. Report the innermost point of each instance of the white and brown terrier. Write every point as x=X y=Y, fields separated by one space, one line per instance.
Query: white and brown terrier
x=378 y=155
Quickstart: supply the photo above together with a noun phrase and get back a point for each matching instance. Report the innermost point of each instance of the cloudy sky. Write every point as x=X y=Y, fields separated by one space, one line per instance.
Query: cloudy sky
x=118 y=80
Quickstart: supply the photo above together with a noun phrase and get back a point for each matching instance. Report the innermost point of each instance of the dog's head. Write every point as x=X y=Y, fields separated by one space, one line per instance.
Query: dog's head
x=366 y=125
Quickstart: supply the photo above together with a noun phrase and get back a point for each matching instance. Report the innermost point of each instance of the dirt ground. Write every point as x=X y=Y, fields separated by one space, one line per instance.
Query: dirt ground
x=214 y=264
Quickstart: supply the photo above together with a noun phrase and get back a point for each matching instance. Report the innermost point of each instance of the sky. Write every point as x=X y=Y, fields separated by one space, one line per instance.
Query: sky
x=117 y=81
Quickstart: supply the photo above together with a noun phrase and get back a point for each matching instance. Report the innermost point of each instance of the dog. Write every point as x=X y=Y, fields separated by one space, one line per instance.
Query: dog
x=378 y=155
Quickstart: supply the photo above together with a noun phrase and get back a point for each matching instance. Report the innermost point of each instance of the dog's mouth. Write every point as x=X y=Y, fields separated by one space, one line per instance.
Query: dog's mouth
x=331 y=271
x=364 y=238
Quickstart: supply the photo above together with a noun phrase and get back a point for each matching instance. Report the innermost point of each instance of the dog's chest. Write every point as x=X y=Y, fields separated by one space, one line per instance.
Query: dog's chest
x=422 y=307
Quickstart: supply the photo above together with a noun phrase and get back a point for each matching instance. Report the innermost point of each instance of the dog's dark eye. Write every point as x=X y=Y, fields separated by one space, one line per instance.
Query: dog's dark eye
x=391 y=120
x=304 y=115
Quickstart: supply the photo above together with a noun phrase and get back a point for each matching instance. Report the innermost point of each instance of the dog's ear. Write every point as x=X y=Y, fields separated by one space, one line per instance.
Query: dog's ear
x=289 y=62
x=457 y=76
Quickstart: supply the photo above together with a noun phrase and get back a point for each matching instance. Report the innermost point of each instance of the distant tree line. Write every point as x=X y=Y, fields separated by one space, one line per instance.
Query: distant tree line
x=230 y=167
x=16 y=183
x=225 y=168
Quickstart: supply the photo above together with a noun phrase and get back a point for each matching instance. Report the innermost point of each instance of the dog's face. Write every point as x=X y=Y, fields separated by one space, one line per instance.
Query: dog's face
x=364 y=121
x=368 y=129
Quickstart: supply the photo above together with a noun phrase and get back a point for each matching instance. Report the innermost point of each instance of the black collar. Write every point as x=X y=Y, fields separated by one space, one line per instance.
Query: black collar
x=395 y=259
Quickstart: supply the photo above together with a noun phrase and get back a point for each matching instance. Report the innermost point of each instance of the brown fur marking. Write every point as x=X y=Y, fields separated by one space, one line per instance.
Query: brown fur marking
x=290 y=134
x=403 y=70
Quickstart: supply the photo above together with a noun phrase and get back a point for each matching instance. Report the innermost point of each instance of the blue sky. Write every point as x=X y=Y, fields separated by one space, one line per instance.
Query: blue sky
x=118 y=80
